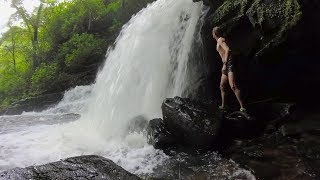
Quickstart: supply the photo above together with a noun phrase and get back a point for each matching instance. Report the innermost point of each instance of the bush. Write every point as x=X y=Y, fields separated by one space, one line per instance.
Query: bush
x=81 y=48
x=13 y=86
x=43 y=76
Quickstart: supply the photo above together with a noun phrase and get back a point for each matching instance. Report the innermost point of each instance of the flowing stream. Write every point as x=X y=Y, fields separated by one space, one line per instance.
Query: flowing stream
x=149 y=62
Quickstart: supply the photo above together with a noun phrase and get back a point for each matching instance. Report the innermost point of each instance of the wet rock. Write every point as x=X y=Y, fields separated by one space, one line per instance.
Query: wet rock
x=269 y=40
x=190 y=122
x=280 y=141
x=263 y=118
x=277 y=157
x=82 y=167
x=290 y=152
x=200 y=166
x=201 y=125
x=159 y=136
x=137 y=124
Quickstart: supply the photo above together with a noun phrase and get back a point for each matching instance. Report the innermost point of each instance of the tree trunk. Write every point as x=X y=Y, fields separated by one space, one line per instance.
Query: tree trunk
x=14 y=53
x=35 y=47
x=35 y=42
x=89 y=22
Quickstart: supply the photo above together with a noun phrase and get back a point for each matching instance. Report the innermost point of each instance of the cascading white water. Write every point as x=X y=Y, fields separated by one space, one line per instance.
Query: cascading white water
x=148 y=64
x=74 y=101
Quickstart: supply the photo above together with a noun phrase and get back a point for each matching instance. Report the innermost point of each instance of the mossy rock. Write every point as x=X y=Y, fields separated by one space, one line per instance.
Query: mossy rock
x=229 y=10
x=270 y=22
x=274 y=19
x=277 y=42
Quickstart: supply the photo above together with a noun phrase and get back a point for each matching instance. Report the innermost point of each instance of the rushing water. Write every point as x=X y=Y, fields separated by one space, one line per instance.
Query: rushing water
x=149 y=62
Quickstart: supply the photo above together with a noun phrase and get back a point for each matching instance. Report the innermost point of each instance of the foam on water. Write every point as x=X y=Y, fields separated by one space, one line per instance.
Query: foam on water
x=47 y=143
x=74 y=101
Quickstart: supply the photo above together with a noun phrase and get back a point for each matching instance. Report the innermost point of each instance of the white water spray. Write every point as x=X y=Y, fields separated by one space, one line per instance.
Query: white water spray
x=147 y=65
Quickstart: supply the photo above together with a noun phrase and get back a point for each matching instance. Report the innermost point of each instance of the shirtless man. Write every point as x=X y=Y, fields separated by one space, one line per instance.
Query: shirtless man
x=227 y=70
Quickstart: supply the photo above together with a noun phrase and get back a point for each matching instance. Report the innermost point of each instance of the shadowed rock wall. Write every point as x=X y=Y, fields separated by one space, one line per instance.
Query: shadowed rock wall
x=275 y=43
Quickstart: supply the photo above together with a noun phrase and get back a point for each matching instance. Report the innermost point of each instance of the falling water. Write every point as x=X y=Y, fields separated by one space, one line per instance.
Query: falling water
x=148 y=64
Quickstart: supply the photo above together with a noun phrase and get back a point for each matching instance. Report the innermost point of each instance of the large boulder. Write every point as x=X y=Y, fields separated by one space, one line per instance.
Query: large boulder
x=279 y=141
x=159 y=136
x=82 y=167
x=190 y=122
x=292 y=151
x=201 y=125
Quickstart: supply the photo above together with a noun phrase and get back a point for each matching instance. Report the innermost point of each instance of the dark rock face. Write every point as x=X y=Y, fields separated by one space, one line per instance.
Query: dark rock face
x=200 y=166
x=276 y=48
x=292 y=151
x=82 y=167
x=158 y=135
x=278 y=157
x=275 y=44
x=191 y=123
x=279 y=141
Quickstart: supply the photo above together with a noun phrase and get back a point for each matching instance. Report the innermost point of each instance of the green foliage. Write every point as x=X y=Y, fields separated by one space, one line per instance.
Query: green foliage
x=79 y=48
x=116 y=24
x=114 y=6
x=56 y=42
x=43 y=76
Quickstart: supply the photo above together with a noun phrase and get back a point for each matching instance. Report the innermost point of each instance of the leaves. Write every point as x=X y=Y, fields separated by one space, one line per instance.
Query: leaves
x=42 y=75
x=56 y=42
x=79 y=48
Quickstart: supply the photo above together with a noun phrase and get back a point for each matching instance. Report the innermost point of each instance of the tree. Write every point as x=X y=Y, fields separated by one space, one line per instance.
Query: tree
x=11 y=46
x=123 y=2
x=32 y=22
x=12 y=42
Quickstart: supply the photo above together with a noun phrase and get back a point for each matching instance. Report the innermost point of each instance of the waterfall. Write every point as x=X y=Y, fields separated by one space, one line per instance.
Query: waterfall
x=152 y=59
x=148 y=63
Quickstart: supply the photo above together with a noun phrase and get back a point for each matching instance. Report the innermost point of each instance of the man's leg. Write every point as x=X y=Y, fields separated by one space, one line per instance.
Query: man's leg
x=235 y=89
x=223 y=86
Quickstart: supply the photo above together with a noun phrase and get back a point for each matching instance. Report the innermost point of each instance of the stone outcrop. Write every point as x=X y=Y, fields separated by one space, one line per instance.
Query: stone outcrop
x=278 y=141
x=275 y=44
x=201 y=125
x=82 y=167
x=290 y=151
x=190 y=122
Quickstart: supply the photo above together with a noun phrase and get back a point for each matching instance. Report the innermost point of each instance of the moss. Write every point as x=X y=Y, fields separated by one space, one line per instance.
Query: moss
x=278 y=17
x=292 y=13
x=272 y=20
x=230 y=9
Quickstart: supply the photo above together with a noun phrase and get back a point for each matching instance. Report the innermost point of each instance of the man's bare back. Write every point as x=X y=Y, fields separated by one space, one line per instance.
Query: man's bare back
x=223 y=50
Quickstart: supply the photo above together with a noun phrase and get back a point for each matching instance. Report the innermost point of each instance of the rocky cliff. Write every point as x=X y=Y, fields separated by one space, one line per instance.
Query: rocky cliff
x=275 y=42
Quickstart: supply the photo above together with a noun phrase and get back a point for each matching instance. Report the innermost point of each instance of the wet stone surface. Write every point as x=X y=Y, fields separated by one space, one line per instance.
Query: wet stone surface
x=82 y=167
x=281 y=141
